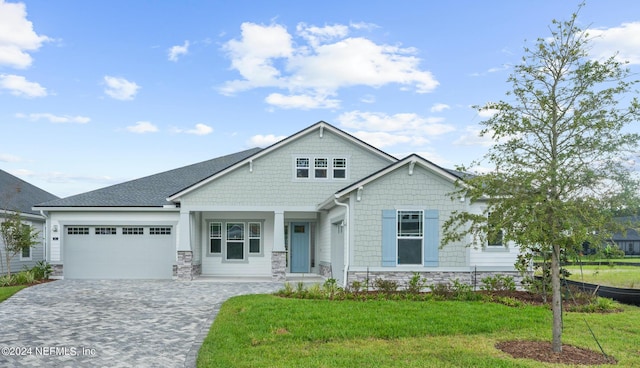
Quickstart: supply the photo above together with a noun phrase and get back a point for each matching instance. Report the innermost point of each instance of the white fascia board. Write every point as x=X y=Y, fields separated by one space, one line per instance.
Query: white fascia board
x=107 y=209
x=318 y=126
x=22 y=214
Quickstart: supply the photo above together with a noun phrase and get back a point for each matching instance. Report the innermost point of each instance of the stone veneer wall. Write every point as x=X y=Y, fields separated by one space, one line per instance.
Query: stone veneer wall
x=185 y=265
x=324 y=269
x=57 y=270
x=437 y=277
x=278 y=266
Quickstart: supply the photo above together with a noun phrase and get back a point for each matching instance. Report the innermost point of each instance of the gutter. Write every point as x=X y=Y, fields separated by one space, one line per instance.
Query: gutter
x=45 y=238
x=347 y=242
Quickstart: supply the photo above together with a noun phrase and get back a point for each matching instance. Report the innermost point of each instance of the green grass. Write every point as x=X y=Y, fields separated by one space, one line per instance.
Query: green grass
x=616 y=276
x=7 y=291
x=267 y=331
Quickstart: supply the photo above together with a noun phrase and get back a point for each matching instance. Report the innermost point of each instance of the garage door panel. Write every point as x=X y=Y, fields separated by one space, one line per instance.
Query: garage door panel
x=107 y=254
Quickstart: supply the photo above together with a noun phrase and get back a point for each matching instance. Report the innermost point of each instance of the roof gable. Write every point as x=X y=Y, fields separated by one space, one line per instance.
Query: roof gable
x=18 y=195
x=319 y=128
x=409 y=161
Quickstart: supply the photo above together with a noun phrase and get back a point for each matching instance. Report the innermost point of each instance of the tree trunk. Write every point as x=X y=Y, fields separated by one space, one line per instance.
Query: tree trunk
x=556 y=300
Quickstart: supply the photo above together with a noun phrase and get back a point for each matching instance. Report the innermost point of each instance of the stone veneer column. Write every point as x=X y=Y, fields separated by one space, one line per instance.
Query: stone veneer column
x=278 y=266
x=185 y=265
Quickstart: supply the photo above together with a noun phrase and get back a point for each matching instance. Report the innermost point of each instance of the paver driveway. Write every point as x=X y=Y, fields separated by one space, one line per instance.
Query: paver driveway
x=115 y=323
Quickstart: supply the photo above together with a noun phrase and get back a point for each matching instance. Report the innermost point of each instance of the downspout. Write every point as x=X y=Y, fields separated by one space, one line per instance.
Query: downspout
x=45 y=238
x=347 y=242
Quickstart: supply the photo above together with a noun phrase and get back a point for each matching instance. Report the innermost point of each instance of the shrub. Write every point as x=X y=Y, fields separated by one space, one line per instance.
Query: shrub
x=331 y=288
x=7 y=280
x=498 y=283
x=355 y=287
x=386 y=286
x=41 y=271
x=416 y=284
x=598 y=305
x=25 y=277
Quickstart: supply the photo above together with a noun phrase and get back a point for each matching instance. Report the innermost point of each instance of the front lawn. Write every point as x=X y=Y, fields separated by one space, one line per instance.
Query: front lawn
x=616 y=276
x=7 y=291
x=269 y=331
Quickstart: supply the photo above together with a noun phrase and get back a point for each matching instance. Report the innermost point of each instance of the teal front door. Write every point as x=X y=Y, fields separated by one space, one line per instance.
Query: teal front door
x=299 y=247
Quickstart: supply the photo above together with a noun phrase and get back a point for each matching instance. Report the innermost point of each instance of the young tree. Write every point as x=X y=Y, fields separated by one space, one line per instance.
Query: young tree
x=17 y=236
x=561 y=157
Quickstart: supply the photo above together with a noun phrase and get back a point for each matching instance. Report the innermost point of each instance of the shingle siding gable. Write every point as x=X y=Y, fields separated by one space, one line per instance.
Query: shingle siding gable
x=272 y=182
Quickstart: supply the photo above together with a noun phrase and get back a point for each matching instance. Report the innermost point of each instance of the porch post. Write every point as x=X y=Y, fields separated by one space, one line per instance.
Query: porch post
x=278 y=254
x=185 y=254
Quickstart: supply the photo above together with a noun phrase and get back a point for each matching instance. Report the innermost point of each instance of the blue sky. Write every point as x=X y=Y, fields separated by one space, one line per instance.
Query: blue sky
x=93 y=93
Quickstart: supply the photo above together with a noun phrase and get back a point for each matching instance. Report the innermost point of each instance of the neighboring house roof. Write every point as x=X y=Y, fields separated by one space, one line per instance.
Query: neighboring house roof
x=321 y=125
x=18 y=195
x=631 y=234
x=151 y=191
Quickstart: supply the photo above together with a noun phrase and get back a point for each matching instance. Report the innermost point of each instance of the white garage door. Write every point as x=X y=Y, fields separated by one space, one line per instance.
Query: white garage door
x=118 y=252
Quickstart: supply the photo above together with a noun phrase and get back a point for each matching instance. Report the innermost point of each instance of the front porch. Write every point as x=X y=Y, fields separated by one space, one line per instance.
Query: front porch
x=248 y=244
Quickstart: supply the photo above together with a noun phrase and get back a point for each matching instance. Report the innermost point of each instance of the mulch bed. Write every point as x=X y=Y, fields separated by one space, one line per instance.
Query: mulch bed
x=542 y=352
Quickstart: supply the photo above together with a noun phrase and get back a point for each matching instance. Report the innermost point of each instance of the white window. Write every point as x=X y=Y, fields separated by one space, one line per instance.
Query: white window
x=77 y=231
x=160 y=231
x=235 y=241
x=302 y=167
x=410 y=237
x=494 y=234
x=105 y=231
x=255 y=238
x=215 y=238
x=339 y=168
x=320 y=166
x=132 y=231
x=25 y=255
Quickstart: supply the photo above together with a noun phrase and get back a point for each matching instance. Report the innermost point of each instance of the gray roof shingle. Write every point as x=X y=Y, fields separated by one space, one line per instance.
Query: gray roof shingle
x=153 y=190
x=18 y=195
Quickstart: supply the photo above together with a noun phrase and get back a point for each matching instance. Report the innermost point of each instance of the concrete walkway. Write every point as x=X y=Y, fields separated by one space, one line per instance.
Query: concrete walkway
x=115 y=323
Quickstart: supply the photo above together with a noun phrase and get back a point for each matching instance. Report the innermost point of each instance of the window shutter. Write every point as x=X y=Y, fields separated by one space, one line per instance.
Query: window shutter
x=389 y=238
x=431 y=238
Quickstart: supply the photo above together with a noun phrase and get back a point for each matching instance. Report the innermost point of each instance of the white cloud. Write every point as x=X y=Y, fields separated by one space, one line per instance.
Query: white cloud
x=409 y=123
x=55 y=118
x=17 y=36
x=368 y=99
x=303 y=102
x=120 y=88
x=487 y=113
x=5 y=157
x=176 y=51
x=318 y=62
x=385 y=139
x=254 y=54
x=317 y=35
x=142 y=127
x=264 y=140
x=624 y=40
x=21 y=87
x=200 y=129
x=472 y=137
x=439 y=107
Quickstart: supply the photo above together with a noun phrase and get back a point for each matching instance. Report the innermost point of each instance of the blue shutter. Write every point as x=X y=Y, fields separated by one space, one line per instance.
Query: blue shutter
x=389 y=238
x=431 y=238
